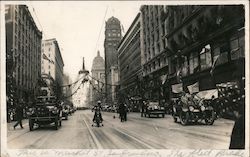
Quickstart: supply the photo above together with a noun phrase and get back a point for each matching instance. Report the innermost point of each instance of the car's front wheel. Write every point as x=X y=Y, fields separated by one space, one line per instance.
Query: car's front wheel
x=184 y=117
x=210 y=117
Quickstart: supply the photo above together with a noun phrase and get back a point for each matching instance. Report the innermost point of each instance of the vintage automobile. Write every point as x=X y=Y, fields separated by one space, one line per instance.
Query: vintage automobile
x=153 y=108
x=45 y=111
x=193 y=109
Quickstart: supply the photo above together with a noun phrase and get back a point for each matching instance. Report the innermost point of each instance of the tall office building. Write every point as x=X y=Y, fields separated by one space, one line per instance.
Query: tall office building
x=52 y=62
x=112 y=39
x=23 y=53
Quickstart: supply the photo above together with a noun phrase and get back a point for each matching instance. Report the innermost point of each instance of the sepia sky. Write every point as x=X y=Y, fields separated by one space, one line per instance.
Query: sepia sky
x=77 y=25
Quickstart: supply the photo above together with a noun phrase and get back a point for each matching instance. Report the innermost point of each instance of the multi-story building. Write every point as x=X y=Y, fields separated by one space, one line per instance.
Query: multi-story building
x=205 y=39
x=112 y=39
x=198 y=44
x=97 y=79
x=52 y=62
x=153 y=52
x=23 y=52
x=129 y=59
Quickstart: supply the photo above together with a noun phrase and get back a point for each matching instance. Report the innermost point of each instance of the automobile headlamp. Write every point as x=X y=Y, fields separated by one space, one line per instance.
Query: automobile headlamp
x=30 y=111
x=191 y=108
x=203 y=108
x=234 y=100
x=55 y=110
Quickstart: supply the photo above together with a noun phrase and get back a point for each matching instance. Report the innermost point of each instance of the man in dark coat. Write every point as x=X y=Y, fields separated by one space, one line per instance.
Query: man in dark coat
x=19 y=115
x=122 y=111
x=238 y=133
x=143 y=108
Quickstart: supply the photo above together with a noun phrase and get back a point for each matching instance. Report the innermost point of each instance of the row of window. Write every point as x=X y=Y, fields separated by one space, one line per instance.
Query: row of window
x=203 y=59
x=114 y=34
x=160 y=62
x=207 y=57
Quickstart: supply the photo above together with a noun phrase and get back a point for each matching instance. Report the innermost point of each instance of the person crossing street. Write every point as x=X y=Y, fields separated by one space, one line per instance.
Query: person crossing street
x=19 y=115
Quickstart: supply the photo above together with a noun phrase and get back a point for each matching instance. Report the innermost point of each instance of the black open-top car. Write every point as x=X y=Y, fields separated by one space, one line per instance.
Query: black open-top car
x=45 y=111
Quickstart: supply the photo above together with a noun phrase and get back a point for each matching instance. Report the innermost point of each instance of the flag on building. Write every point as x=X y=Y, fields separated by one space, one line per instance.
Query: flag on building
x=194 y=88
x=163 y=78
x=45 y=57
x=213 y=65
x=177 y=88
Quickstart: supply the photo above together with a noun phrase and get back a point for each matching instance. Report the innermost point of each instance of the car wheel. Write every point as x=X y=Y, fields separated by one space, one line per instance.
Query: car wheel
x=210 y=116
x=163 y=115
x=175 y=119
x=31 y=125
x=184 y=117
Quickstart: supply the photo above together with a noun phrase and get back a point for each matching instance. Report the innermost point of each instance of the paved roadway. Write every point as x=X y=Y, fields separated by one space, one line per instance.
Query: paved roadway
x=137 y=133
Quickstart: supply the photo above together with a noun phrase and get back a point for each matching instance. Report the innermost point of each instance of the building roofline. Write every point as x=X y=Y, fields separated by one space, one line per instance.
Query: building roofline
x=55 y=41
x=26 y=8
x=129 y=29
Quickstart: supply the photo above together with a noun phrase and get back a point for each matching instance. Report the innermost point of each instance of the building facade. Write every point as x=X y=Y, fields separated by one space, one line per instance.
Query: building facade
x=23 y=53
x=52 y=62
x=98 y=79
x=67 y=90
x=153 y=53
x=112 y=39
x=129 y=59
x=203 y=44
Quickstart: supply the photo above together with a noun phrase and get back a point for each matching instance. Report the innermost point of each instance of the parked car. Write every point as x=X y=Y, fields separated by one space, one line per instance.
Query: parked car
x=153 y=108
x=105 y=108
x=45 y=111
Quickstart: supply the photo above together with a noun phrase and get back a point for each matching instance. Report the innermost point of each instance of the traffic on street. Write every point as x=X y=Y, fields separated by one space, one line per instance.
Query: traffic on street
x=137 y=133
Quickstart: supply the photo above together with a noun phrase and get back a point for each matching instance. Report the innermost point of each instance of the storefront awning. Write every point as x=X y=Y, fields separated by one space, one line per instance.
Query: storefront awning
x=207 y=94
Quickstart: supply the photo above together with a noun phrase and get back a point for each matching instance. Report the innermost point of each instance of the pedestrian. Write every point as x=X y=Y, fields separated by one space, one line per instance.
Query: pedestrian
x=143 y=108
x=238 y=134
x=19 y=114
x=122 y=111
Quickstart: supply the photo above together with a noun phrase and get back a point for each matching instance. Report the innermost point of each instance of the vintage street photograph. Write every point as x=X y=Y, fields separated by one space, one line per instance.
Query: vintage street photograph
x=124 y=75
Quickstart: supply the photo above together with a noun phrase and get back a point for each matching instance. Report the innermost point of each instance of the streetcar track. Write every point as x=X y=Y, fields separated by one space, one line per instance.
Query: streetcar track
x=132 y=137
x=97 y=143
x=127 y=136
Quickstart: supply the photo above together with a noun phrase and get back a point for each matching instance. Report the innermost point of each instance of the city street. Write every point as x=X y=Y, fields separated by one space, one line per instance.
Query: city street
x=137 y=133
